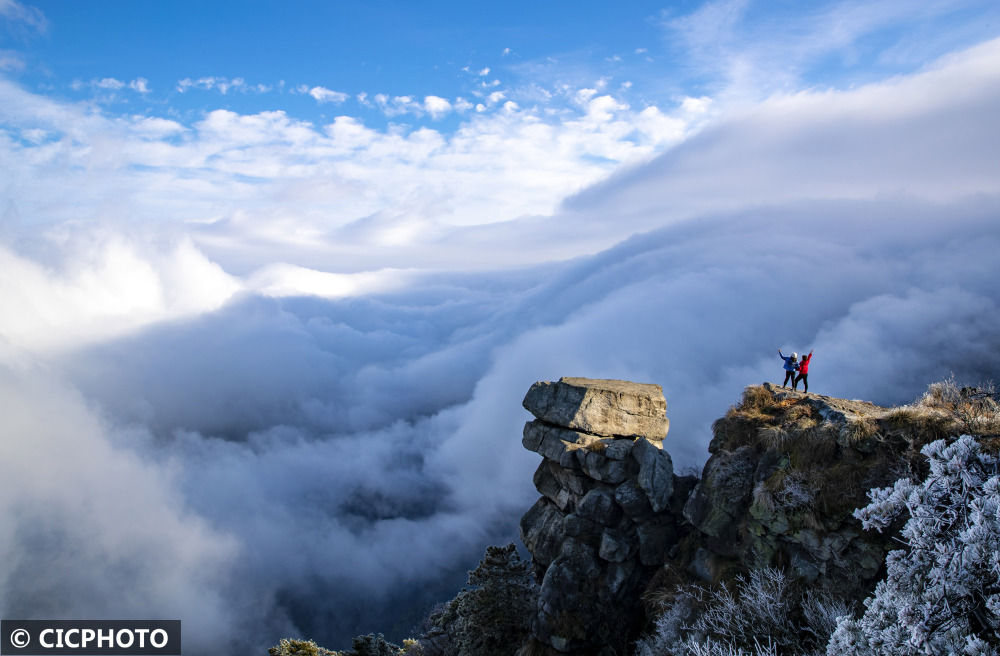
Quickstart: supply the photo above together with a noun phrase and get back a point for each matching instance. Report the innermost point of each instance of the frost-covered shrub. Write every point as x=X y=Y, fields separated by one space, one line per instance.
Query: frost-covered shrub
x=291 y=647
x=941 y=594
x=761 y=615
x=364 y=645
x=493 y=617
x=975 y=407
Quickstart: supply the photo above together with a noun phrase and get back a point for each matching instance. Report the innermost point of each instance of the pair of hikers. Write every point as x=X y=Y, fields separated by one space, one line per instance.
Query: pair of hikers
x=796 y=370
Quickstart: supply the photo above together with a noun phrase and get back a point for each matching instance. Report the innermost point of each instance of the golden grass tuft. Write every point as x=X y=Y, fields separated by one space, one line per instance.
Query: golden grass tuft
x=592 y=444
x=859 y=429
x=756 y=399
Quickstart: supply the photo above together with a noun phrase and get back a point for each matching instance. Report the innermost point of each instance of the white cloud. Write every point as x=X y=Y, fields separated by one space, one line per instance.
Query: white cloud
x=437 y=106
x=696 y=105
x=324 y=95
x=221 y=84
x=484 y=72
x=398 y=105
x=108 y=83
x=74 y=543
x=583 y=96
x=140 y=84
x=110 y=289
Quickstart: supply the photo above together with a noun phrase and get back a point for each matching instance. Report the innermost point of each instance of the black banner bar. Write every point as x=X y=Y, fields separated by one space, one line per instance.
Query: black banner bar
x=90 y=637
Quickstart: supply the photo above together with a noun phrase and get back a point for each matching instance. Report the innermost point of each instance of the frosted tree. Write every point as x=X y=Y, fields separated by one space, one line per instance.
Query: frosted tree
x=941 y=594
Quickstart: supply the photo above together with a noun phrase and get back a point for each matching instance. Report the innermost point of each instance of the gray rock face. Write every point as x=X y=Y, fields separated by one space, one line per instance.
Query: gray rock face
x=604 y=522
x=542 y=531
x=656 y=473
x=600 y=507
x=601 y=407
x=720 y=501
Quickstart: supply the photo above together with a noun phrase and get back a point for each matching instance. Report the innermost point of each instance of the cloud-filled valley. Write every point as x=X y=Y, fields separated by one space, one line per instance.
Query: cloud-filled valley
x=202 y=420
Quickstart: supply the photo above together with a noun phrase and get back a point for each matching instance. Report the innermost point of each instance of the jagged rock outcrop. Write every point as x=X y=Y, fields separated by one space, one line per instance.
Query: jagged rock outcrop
x=604 y=523
x=786 y=471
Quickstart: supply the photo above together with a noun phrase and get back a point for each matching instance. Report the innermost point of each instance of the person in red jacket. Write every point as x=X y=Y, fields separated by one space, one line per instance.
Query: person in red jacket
x=803 y=373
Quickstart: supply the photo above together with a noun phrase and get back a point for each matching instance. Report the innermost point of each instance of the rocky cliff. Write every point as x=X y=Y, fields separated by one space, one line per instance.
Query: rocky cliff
x=609 y=511
x=615 y=526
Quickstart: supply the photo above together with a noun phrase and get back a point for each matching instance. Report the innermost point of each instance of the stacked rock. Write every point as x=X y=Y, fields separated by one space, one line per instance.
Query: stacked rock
x=604 y=522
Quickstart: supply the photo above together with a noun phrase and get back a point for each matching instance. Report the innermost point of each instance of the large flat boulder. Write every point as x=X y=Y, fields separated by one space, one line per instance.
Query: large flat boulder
x=614 y=408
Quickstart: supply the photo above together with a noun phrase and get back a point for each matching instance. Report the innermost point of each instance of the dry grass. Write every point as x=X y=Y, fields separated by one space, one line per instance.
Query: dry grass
x=921 y=424
x=532 y=648
x=813 y=448
x=662 y=588
x=756 y=400
x=773 y=437
x=763 y=496
x=859 y=429
x=587 y=443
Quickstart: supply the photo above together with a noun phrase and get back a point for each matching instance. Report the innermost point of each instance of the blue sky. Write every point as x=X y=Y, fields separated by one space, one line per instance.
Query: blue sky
x=257 y=56
x=285 y=275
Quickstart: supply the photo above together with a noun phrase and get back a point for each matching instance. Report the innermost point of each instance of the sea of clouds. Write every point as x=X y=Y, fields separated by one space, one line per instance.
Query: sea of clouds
x=204 y=424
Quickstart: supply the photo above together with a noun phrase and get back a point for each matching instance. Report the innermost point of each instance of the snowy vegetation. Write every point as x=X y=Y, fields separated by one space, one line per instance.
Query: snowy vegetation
x=762 y=614
x=941 y=594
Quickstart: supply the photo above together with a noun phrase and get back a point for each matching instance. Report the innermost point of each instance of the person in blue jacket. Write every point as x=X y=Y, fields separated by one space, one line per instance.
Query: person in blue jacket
x=791 y=366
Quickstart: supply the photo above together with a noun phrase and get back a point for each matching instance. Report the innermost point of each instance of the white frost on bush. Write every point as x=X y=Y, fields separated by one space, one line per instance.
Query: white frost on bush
x=754 y=618
x=941 y=594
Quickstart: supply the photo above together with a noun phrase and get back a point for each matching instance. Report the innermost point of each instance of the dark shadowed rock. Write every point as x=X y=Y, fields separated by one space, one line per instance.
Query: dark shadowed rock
x=616 y=547
x=655 y=539
x=599 y=506
x=633 y=500
x=656 y=473
x=542 y=531
x=547 y=484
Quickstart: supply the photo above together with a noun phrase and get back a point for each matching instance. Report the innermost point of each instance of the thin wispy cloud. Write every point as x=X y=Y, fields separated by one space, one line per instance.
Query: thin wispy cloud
x=223 y=85
x=22 y=14
x=745 y=54
x=139 y=84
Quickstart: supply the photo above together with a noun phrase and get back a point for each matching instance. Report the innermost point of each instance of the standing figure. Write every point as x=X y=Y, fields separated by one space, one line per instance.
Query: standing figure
x=791 y=365
x=803 y=373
